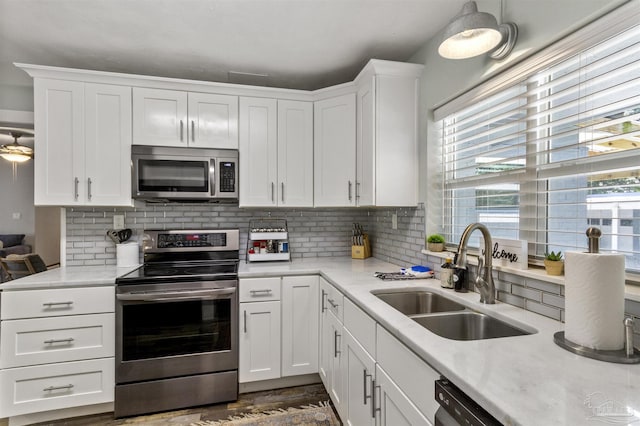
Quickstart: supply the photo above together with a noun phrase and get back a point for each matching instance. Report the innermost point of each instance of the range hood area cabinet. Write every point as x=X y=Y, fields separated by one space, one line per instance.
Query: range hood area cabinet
x=387 y=135
x=276 y=153
x=178 y=119
x=82 y=143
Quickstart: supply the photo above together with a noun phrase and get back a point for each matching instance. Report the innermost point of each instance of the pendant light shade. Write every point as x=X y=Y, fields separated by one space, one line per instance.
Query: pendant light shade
x=472 y=33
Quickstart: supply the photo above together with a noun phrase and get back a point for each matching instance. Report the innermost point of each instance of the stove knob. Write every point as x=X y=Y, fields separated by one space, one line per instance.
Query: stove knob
x=178 y=243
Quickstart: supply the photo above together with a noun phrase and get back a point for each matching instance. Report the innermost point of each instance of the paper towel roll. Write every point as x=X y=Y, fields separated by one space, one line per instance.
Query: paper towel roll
x=594 y=300
x=127 y=254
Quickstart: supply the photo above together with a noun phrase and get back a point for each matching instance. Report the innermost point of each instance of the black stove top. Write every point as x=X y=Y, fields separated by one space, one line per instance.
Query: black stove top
x=181 y=271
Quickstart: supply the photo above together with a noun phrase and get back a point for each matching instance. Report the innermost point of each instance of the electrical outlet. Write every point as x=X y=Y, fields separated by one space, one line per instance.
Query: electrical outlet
x=16 y=216
x=394 y=221
x=118 y=221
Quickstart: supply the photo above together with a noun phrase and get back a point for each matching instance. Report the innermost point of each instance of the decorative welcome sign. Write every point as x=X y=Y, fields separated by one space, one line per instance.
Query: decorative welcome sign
x=511 y=253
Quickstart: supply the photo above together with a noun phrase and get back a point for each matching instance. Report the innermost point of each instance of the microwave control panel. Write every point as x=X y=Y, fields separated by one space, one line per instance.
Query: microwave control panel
x=227 y=176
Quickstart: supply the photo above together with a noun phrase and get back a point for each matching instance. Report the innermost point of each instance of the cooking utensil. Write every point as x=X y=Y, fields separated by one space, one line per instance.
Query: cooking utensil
x=113 y=234
x=124 y=235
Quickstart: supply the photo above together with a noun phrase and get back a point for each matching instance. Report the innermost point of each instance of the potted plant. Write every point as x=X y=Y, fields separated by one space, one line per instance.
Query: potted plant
x=435 y=242
x=553 y=263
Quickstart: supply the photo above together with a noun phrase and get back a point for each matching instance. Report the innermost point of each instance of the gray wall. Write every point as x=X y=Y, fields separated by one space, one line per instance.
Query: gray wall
x=17 y=197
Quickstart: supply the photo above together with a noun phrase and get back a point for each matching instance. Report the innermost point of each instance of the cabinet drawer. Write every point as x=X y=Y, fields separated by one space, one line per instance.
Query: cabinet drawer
x=360 y=325
x=45 y=340
x=57 y=302
x=53 y=386
x=412 y=374
x=259 y=289
x=331 y=299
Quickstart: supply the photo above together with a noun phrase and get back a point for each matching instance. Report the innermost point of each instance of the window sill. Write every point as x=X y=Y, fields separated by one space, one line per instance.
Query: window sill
x=632 y=288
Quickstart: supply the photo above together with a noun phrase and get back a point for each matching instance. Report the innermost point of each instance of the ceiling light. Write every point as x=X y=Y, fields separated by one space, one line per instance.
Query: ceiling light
x=15 y=152
x=472 y=33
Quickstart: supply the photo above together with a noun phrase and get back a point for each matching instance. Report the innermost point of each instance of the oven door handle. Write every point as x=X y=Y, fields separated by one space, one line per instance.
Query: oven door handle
x=177 y=295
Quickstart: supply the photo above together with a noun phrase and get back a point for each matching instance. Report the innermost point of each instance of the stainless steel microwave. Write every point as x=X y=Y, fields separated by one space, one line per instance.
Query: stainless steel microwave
x=184 y=174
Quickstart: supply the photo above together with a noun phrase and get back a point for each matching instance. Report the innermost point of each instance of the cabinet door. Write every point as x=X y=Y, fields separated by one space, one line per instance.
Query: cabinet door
x=396 y=149
x=336 y=364
x=213 y=121
x=360 y=372
x=59 y=142
x=325 y=345
x=295 y=154
x=366 y=143
x=258 y=152
x=159 y=117
x=392 y=406
x=259 y=341
x=107 y=144
x=334 y=159
x=299 y=325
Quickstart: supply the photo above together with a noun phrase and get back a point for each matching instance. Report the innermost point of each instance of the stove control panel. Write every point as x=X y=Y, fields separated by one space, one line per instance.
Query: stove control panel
x=196 y=239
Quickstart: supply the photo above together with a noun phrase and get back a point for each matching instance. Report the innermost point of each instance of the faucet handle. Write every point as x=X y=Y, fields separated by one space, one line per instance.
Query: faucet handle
x=480 y=263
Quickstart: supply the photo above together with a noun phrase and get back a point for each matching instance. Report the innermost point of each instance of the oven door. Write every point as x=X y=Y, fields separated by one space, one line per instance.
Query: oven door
x=171 y=331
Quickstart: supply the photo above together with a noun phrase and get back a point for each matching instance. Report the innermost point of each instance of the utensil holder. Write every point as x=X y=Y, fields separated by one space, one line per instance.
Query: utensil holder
x=127 y=255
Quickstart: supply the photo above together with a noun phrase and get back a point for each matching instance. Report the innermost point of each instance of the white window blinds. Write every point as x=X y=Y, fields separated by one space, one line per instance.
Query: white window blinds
x=552 y=154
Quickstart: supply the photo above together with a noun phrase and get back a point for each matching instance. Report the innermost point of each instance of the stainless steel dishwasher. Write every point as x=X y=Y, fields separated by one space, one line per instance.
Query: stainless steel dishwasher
x=456 y=408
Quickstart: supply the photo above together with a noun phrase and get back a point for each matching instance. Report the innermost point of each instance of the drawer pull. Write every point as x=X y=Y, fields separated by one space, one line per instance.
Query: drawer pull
x=333 y=304
x=52 y=341
x=324 y=295
x=51 y=304
x=55 y=388
x=266 y=291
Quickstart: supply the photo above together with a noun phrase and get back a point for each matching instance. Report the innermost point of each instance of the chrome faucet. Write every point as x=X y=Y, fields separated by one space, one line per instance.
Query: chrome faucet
x=484 y=278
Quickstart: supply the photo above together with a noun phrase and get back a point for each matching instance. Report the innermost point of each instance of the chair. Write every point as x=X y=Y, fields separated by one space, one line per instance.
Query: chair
x=18 y=266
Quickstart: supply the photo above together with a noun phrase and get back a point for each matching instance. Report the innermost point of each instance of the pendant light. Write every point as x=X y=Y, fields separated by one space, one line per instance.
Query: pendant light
x=472 y=33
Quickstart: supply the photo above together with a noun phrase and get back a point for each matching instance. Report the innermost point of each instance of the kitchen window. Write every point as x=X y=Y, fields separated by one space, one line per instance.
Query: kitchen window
x=551 y=153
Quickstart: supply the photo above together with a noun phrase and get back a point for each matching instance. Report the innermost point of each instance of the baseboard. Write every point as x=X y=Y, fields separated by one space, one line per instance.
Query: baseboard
x=284 y=382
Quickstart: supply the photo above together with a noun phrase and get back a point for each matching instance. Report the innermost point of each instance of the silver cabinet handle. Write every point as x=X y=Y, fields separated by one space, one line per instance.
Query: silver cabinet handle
x=350 y=191
x=332 y=303
x=89 y=188
x=52 y=341
x=266 y=292
x=357 y=190
x=374 y=409
x=364 y=386
x=53 y=388
x=282 y=192
x=76 y=181
x=272 y=193
x=181 y=130
x=193 y=131
x=51 y=304
x=335 y=344
x=245 y=320
x=324 y=294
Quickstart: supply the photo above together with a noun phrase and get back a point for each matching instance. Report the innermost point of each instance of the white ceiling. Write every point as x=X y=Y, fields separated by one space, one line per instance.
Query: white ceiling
x=302 y=44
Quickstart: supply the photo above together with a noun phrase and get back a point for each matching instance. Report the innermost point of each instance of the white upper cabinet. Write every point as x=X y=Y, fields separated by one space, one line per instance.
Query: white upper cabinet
x=83 y=143
x=295 y=153
x=335 y=151
x=175 y=118
x=387 y=122
x=276 y=152
x=258 y=152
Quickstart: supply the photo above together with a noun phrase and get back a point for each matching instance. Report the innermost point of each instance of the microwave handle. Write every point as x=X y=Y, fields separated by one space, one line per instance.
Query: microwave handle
x=212 y=176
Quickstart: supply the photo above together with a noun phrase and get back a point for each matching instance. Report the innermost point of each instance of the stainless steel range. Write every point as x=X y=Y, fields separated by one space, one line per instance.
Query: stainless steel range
x=177 y=323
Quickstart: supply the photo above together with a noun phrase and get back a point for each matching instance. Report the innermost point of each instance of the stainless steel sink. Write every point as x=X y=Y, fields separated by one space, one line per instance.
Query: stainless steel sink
x=419 y=302
x=468 y=326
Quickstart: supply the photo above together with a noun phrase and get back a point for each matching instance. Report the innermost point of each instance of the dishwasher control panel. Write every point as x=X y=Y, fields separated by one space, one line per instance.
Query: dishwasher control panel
x=458 y=409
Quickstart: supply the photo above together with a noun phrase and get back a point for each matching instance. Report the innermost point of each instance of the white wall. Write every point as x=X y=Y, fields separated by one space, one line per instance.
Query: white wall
x=17 y=197
x=540 y=23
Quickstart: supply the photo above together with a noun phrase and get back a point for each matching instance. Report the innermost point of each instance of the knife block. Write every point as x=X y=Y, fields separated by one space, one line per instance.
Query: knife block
x=363 y=251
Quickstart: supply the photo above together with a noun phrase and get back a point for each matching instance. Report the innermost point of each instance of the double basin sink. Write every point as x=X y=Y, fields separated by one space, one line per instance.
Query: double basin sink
x=447 y=318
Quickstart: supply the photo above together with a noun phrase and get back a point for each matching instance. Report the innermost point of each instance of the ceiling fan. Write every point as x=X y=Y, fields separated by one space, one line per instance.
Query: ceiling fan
x=15 y=152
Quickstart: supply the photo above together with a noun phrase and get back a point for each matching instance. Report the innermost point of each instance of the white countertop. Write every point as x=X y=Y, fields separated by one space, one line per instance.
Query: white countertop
x=526 y=380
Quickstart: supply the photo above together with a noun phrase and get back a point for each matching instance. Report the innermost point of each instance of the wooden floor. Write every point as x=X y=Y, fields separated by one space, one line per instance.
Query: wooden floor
x=249 y=402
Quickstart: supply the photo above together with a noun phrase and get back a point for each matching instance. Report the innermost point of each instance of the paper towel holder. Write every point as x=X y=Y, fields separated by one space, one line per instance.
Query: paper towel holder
x=628 y=355
x=594 y=234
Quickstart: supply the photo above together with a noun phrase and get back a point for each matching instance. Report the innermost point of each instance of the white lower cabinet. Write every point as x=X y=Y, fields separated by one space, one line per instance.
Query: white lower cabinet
x=259 y=341
x=393 y=408
x=57 y=349
x=359 y=383
x=278 y=327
